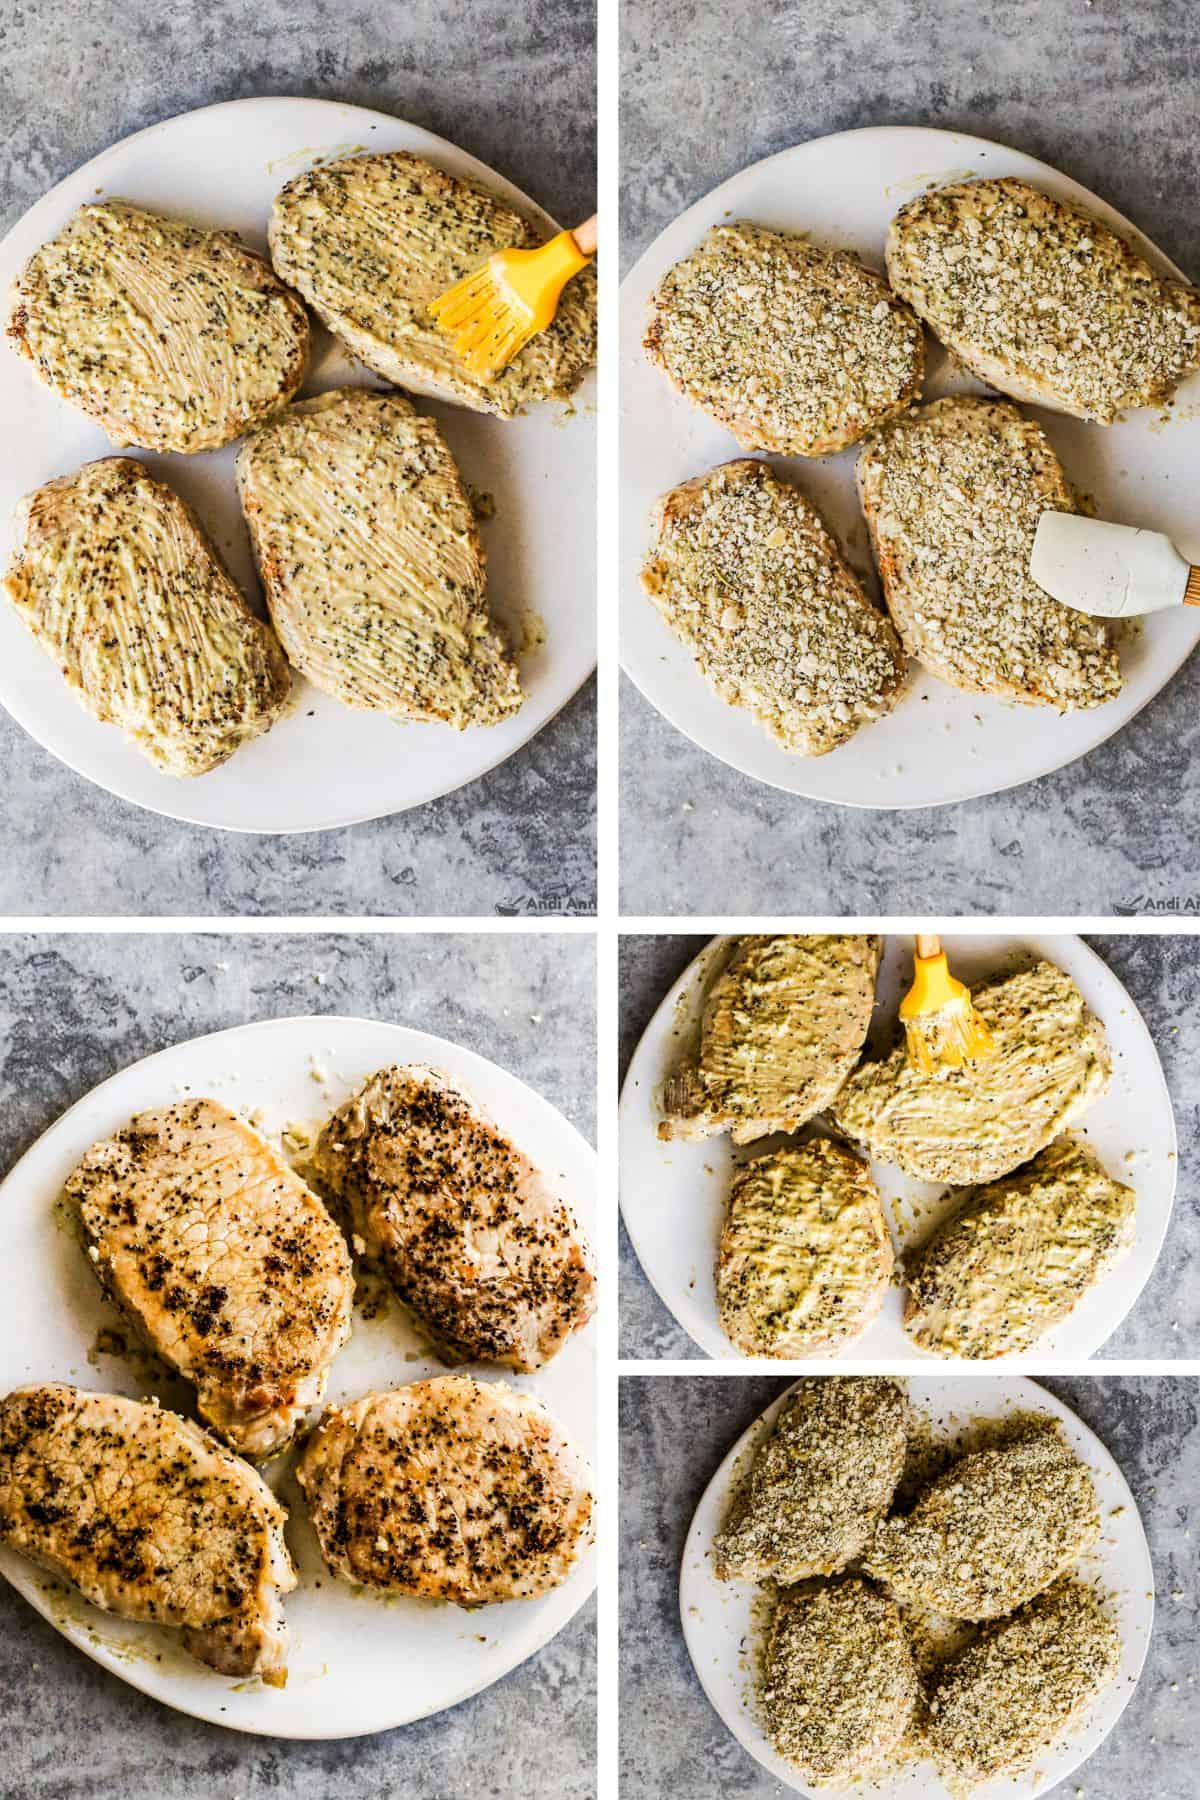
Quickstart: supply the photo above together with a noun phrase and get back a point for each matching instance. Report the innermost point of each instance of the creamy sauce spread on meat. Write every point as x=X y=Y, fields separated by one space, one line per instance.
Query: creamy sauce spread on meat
x=783 y=1026
x=119 y=586
x=805 y=1255
x=371 y=240
x=979 y=1122
x=371 y=560
x=171 y=337
x=1018 y=1256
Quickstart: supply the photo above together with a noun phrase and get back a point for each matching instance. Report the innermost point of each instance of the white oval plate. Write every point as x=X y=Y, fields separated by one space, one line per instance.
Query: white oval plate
x=323 y=765
x=673 y=1194
x=357 y=1662
x=719 y=1619
x=939 y=745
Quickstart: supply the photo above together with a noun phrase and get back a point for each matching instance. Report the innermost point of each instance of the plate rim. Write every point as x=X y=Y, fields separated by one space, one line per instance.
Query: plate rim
x=914 y=1363
x=1042 y=1398
x=130 y=1671
x=432 y=142
x=702 y=205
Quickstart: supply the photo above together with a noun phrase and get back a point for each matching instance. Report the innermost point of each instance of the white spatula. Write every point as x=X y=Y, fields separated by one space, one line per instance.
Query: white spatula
x=1115 y=571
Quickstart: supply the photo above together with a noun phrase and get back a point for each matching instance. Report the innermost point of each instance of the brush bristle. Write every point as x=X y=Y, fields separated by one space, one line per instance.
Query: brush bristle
x=948 y=1038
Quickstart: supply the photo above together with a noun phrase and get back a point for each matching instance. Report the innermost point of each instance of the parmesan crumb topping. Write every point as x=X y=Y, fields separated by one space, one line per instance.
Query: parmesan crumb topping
x=1043 y=300
x=790 y=347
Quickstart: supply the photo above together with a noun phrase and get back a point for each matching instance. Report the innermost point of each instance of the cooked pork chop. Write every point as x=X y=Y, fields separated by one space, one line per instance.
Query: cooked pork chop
x=150 y=1519
x=1018 y=1256
x=783 y=1025
x=745 y=574
x=371 y=240
x=979 y=1122
x=170 y=337
x=471 y=1235
x=224 y=1263
x=372 y=566
x=994 y=1530
x=1022 y=1684
x=450 y=1489
x=1042 y=300
x=805 y=1257
x=118 y=583
x=952 y=494
x=819 y=1483
x=838 y=1685
x=789 y=347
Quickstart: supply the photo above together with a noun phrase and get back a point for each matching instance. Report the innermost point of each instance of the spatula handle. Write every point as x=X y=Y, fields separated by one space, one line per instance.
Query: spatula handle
x=1191 y=593
x=928 y=945
x=585 y=235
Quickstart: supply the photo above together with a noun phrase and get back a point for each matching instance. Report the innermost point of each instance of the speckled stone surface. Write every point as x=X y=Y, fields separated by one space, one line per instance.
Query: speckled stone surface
x=74 y=1010
x=1163 y=976
x=1104 y=92
x=675 y=1430
x=515 y=86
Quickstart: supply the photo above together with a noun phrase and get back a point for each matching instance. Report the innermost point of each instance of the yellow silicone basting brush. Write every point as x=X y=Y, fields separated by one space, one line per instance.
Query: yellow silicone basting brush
x=492 y=314
x=942 y=1026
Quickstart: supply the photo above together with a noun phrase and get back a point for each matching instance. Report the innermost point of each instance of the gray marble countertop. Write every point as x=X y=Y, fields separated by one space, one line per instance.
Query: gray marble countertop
x=74 y=1010
x=674 y=1432
x=513 y=85
x=1162 y=975
x=1105 y=93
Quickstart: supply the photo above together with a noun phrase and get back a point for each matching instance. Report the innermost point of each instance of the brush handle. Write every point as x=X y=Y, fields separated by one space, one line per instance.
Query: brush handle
x=1191 y=593
x=928 y=945
x=585 y=235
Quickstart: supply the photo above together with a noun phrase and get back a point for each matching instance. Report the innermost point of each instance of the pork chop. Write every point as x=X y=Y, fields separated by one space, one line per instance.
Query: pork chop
x=1042 y=300
x=471 y=1235
x=805 y=1257
x=170 y=337
x=819 y=1483
x=370 y=240
x=224 y=1263
x=1022 y=1685
x=746 y=576
x=792 y=348
x=784 y=1024
x=979 y=1122
x=952 y=495
x=449 y=1489
x=116 y=580
x=371 y=562
x=998 y=1527
x=838 y=1686
x=151 y=1519
x=1018 y=1256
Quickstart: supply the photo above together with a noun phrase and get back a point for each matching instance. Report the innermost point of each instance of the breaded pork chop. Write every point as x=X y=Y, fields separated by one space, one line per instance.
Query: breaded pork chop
x=952 y=493
x=170 y=337
x=791 y=348
x=223 y=1261
x=115 y=578
x=998 y=1527
x=1019 y=1255
x=449 y=1489
x=784 y=1024
x=1021 y=1684
x=150 y=1519
x=468 y=1231
x=805 y=1257
x=371 y=562
x=979 y=1122
x=745 y=574
x=370 y=240
x=838 y=1685
x=819 y=1483
x=1042 y=300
